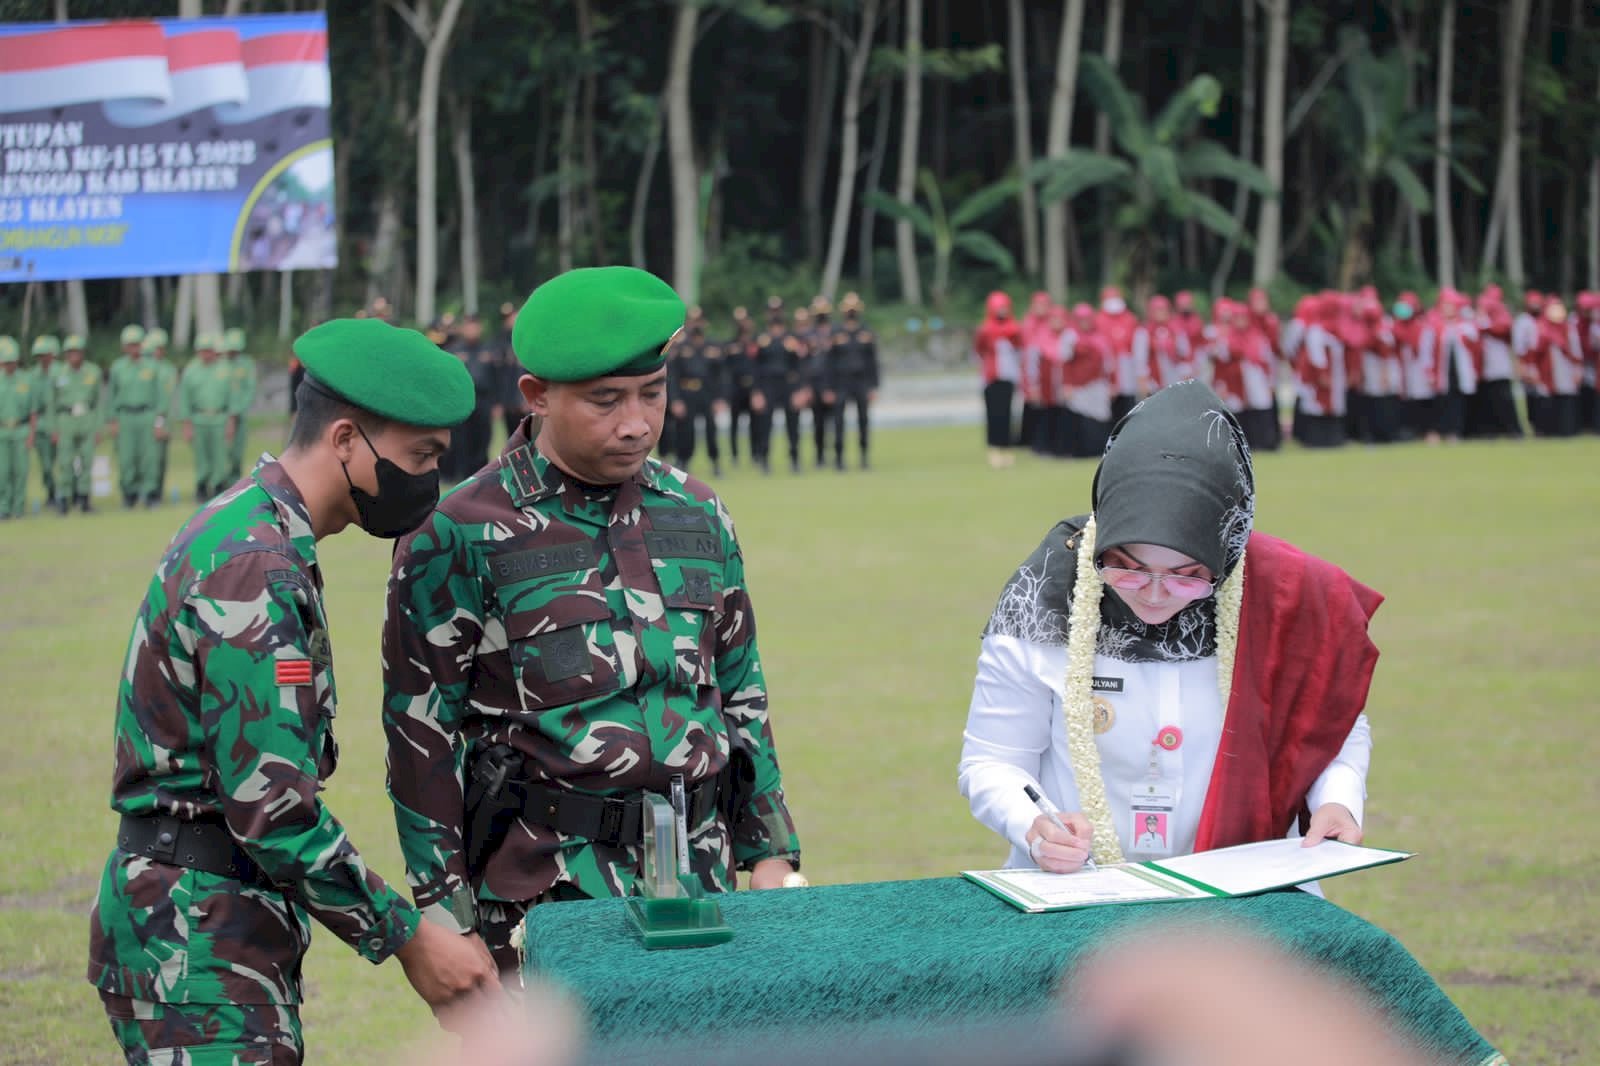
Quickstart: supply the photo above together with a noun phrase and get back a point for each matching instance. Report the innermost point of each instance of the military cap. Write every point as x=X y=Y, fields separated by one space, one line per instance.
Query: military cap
x=851 y=302
x=46 y=344
x=206 y=342
x=9 y=352
x=507 y=308
x=133 y=334
x=155 y=338
x=396 y=373
x=595 y=322
x=774 y=302
x=821 y=306
x=72 y=343
x=233 y=340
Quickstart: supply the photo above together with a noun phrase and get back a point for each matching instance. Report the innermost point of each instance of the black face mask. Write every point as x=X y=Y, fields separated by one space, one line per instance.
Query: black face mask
x=403 y=500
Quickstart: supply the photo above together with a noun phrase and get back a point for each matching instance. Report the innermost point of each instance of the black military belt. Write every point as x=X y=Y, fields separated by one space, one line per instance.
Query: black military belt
x=607 y=820
x=141 y=409
x=10 y=423
x=211 y=410
x=204 y=846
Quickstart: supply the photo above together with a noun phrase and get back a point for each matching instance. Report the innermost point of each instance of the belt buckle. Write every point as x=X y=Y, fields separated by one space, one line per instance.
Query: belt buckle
x=612 y=811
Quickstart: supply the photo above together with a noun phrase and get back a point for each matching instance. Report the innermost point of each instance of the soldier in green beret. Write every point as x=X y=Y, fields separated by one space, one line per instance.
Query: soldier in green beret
x=19 y=415
x=45 y=349
x=204 y=408
x=569 y=630
x=224 y=723
x=133 y=404
x=242 y=373
x=77 y=413
x=155 y=350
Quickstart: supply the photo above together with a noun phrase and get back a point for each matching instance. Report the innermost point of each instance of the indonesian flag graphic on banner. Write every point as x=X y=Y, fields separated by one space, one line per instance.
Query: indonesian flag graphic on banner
x=144 y=72
x=207 y=69
x=84 y=64
x=284 y=70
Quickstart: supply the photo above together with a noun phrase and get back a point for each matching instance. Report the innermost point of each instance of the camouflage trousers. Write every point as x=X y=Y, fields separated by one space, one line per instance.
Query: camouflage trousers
x=205 y=1034
x=498 y=919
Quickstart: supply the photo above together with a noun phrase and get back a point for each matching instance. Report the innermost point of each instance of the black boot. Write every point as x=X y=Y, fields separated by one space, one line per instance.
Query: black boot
x=83 y=505
x=153 y=500
x=62 y=504
x=716 y=468
x=129 y=500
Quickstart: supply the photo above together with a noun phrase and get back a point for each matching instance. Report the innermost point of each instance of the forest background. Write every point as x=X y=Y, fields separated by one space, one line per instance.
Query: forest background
x=917 y=151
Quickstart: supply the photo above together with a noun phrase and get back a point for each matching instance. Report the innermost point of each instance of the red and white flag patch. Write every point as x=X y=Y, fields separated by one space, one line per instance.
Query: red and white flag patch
x=293 y=671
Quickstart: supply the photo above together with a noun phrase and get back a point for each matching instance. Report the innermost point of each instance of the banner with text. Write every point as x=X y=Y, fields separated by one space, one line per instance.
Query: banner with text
x=168 y=146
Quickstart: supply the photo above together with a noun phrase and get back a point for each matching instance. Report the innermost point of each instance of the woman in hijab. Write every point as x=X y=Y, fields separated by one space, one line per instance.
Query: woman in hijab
x=1156 y=661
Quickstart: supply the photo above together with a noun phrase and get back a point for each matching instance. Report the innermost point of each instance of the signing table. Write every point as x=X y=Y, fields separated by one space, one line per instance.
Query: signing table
x=922 y=954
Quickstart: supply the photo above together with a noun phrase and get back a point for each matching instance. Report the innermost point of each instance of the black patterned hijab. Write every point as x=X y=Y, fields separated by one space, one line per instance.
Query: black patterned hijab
x=1176 y=473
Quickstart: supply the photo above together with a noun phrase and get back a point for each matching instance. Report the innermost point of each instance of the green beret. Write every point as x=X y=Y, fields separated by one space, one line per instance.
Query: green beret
x=206 y=342
x=233 y=340
x=9 y=352
x=596 y=322
x=133 y=334
x=73 y=343
x=393 y=372
x=46 y=345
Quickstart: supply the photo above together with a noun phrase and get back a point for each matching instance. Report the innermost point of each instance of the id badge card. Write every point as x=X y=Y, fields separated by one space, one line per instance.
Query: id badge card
x=1151 y=807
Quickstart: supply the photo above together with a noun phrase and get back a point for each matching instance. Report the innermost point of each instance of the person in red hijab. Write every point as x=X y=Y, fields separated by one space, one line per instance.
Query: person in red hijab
x=1161 y=351
x=1451 y=343
x=997 y=345
x=1087 y=367
x=1589 y=344
x=1053 y=436
x=1117 y=324
x=1030 y=384
x=1416 y=379
x=1190 y=322
x=1319 y=370
x=1494 y=414
x=1561 y=371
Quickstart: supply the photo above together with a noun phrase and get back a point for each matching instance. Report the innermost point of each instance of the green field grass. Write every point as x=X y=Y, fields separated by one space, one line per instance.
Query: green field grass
x=871 y=591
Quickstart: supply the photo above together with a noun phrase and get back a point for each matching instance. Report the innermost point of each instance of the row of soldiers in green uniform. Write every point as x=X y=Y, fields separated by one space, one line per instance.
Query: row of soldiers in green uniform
x=809 y=363
x=62 y=405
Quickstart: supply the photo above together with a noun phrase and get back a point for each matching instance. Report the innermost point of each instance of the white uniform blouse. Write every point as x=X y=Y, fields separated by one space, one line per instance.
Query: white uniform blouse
x=1016 y=736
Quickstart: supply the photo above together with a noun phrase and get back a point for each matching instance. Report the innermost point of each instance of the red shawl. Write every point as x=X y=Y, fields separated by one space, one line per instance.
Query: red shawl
x=1300 y=678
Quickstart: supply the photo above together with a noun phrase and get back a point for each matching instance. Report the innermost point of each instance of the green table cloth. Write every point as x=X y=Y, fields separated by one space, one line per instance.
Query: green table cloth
x=923 y=955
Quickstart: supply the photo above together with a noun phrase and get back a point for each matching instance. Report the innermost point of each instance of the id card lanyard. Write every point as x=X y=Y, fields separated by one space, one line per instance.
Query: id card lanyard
x=1153 y=804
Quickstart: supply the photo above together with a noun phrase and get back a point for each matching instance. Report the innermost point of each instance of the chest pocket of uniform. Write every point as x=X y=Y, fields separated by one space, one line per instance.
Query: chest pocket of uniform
x=559 y=630
x=688 y=558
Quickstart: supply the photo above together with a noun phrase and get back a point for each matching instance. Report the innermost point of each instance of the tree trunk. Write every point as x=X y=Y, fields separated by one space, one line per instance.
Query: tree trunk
x=821 y=88
x=466 y=185
x=1444 y=234
x=1056 y=145
x=641 y=192
x=905 y=238
x=680 y=157
x=941 y=94
x=183 y=313
x=285 y=304
x=591 y=157
x=1022 y=133
x=869 y=214
x=1594 y=210
x=566 y=192
x=1247 y=148
x=385 y=245
x=149 y=306
x=849 y=149
x=1506 y=213
x=1112 y=52
x=436 y=45
x=1269 y=228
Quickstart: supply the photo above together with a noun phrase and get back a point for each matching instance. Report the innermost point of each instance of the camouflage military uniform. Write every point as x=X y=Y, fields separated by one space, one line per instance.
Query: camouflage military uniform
x=603 y=634
x=224 y=718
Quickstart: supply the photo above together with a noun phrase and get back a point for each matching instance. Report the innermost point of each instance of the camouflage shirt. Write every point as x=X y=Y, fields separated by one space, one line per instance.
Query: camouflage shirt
x=225 y=710
x=603 y=633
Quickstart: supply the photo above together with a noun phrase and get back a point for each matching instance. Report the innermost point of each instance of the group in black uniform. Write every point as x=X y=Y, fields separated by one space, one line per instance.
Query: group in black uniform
x=810 y=364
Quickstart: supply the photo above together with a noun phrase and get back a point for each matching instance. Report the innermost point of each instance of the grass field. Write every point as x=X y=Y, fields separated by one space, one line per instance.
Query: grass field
x=871 y=591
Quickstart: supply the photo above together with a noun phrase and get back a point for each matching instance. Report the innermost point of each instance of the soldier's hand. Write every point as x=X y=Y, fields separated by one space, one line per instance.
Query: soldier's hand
x=55 y=438
x=447 y=968
x=233 y=428
x=758 y=402
x=719 y=407
x=188 y=433
x=769 y=873
x=872 y=395
x=829 y=397
x=112 y=427
x=679 y=409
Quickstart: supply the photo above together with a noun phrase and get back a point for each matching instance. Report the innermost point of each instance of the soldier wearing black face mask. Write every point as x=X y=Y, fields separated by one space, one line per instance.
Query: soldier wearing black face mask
x=224 y=725
x=696 y=391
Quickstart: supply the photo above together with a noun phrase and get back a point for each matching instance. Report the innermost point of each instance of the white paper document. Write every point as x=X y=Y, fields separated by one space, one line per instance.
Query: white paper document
x=1237 y=871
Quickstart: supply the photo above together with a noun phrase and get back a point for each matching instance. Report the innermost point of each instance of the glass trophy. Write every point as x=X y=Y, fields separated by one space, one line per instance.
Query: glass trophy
x=669 y=908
